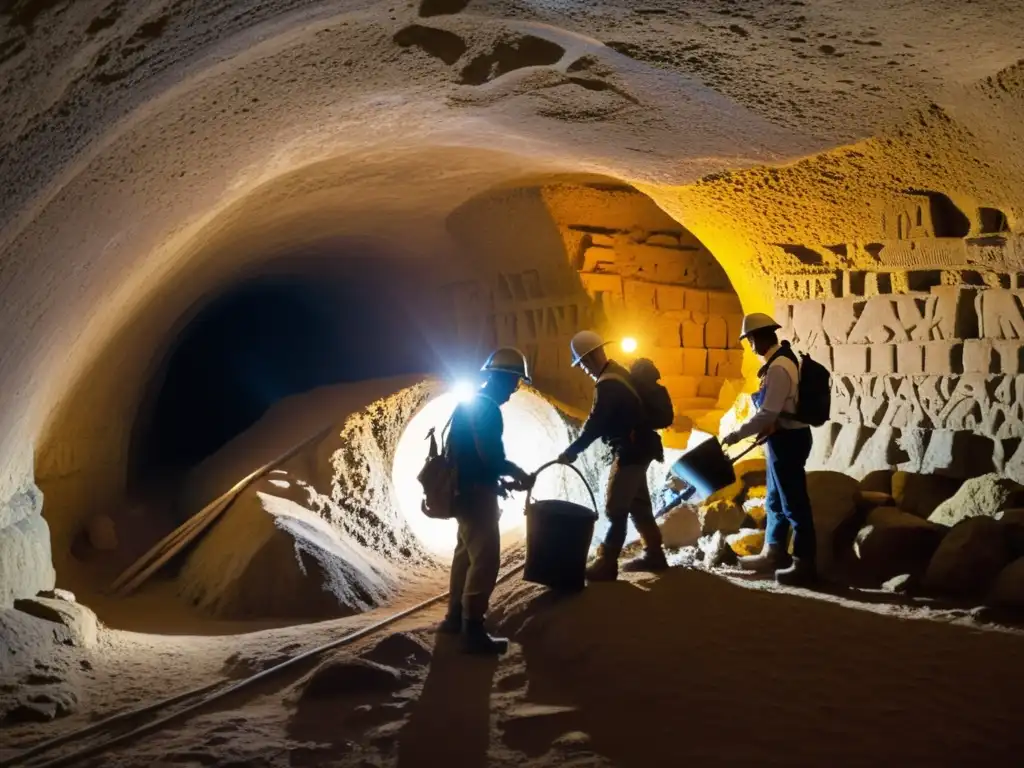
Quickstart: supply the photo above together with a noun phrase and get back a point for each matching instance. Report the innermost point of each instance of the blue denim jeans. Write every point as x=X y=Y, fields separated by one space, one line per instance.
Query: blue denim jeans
x=788 y=504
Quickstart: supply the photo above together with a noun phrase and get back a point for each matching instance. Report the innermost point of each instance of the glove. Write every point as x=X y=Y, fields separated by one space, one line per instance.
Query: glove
x=730 y=439
x=524 y=483
x=566 y=458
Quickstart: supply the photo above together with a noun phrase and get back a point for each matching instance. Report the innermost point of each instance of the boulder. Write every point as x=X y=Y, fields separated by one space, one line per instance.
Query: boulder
x=984 y=496
x=346 y=676
x=894 y=542
x=969 y=558
x=1013 y=523
x=1008 y=589
x=921 y=494
x=80 y=621
x=749 y=541
x=401 y=650
x=721 y=516
x=680 y=527
x=869 y=500
x=756 y=514
x=878 y=481
x=715 y=550
x=833 y=504
x=25 y=564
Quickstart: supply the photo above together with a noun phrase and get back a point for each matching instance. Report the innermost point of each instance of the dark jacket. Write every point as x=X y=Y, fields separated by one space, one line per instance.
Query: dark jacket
x=617 y=417
x=475 y=444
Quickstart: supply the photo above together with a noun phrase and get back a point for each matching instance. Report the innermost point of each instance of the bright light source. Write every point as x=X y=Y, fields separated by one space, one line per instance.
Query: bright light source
x=629 y=345
x=464 y=390
x=534 y=433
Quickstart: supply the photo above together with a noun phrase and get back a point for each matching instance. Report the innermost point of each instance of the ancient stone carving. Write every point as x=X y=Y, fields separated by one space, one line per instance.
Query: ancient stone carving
x=802 y=287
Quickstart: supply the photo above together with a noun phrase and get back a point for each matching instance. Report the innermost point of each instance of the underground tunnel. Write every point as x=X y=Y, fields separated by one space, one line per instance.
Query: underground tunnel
x=286 y=235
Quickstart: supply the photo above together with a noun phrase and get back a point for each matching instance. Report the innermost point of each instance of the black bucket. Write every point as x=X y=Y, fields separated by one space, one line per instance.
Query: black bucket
x=558 y=536
x=706 y=468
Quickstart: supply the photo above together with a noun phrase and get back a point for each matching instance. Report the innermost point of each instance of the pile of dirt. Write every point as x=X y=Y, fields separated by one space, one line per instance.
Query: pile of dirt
x=321 y=536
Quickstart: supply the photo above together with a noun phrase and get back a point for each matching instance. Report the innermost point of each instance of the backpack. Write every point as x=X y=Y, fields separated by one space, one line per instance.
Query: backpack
x=439 y=478
x=814 y=391
x=656 y=401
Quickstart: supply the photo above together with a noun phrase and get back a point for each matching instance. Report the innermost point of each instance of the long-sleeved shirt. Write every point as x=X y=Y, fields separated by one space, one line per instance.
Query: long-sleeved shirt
x=617 y=417
x=778 y=395
x=477 y=446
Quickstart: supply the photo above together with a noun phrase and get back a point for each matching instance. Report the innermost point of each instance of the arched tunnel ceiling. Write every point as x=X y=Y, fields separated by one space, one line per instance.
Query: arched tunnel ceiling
x=153 y=150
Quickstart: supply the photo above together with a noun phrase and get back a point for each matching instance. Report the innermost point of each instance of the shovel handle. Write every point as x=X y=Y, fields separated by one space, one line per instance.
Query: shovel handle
x=759 y=441
x=586 y=485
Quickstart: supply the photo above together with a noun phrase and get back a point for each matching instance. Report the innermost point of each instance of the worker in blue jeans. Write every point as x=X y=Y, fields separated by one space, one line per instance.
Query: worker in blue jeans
x=788 y=447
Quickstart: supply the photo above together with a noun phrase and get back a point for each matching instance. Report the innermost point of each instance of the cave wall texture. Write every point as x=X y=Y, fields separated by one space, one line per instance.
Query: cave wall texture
x=857 y=166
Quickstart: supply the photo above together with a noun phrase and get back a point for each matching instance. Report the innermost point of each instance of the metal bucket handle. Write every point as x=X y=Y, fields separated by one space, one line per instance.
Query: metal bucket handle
x=593 y=500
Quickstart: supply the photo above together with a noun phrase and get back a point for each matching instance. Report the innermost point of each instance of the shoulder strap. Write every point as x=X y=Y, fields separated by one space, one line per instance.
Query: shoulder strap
x=622 y=380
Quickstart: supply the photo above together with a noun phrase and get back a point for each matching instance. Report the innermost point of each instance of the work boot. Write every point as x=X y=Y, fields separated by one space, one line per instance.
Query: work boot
x=605 y=567
x=651 y=561
x=802 y=573
x=475 y=640
x=771 y=558
x=452 y=624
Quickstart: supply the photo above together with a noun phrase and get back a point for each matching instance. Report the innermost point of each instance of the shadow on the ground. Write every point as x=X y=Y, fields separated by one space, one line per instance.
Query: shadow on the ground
x=451 y=720
x=692 y=668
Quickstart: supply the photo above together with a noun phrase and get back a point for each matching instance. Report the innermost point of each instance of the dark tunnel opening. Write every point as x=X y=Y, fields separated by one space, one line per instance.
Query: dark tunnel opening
x=265 y=339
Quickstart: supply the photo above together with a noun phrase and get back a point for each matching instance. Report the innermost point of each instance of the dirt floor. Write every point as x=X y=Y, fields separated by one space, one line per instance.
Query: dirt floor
x=692 y=666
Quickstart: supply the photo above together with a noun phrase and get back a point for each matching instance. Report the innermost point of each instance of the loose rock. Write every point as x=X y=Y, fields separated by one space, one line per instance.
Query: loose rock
x=921 y=494
x=401 y=649
x=748 y=541
x=833 y=504
x=680 y=527
x=345 y=676
x=969 y=558
x=984 y=496
x=102 y=533
x=1008 y=589
x=80 y=621
x=716 y=550
x=895 y=542
x=721 y=516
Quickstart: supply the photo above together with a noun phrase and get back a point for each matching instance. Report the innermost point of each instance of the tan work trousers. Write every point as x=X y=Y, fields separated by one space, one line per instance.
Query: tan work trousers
x=477 y=555
x=628 y=497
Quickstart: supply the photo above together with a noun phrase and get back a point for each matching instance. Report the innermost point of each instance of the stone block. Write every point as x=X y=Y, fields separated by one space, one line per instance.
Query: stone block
x=999 y=314
x=878 y=323
x=910 y=359
x=595 y=259
x=882 y=358
x=695 y=362
x=734 y=326
x=641 y=295
x=716 y=333
x=840 y=317
x=1009 y=357
x=724 y=303
x=733 y=364
x=943 y=358
x=808 y=323
x=669 y=360
x=668 y=332
x=850 y=358
x=717 y=362
x=671 y=297
x=681 y=387
x=600 y=282
x=693 y=334
x=697 y=301
x=979 y=356
x=709 y=386
x=25 y=564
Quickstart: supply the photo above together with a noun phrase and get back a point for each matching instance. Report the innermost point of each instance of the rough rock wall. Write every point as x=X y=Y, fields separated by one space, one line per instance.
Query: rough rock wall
x=25 y=563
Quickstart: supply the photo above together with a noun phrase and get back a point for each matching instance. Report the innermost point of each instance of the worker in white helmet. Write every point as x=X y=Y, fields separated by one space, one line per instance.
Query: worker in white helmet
x=618 y=417
x=478 y=453
x=788 y=447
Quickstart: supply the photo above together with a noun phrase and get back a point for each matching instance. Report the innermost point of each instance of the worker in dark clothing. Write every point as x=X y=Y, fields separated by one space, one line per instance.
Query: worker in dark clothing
x=788 y=505
x=478 y=453
x=617 y=417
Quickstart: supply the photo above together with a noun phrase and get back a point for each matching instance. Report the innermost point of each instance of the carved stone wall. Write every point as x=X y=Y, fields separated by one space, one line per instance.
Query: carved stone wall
x=927 y=362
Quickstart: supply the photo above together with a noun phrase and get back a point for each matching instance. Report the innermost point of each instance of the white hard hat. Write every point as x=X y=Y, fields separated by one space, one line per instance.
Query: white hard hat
x=758 y=321
x=583 y=343
x=508 y=360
